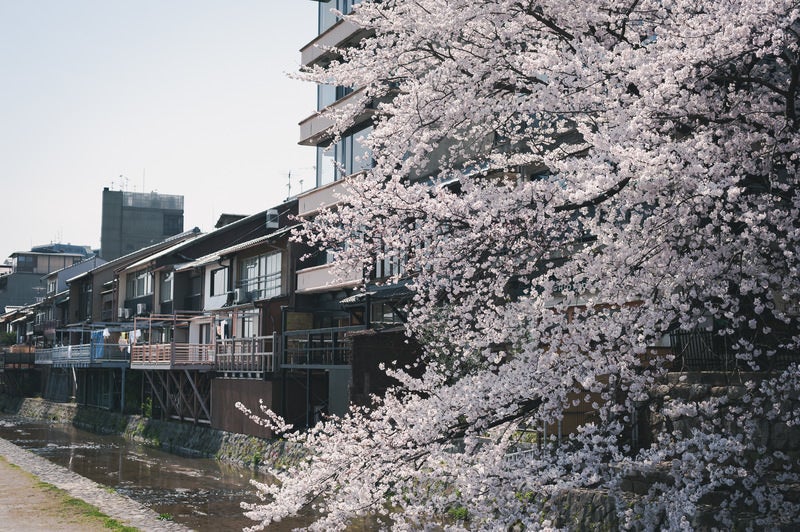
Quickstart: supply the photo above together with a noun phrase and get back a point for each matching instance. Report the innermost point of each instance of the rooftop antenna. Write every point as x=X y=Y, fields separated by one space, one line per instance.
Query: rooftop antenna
x=289 y=186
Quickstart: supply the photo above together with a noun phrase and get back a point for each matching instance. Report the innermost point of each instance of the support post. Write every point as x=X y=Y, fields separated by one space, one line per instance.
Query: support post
x=122 y=393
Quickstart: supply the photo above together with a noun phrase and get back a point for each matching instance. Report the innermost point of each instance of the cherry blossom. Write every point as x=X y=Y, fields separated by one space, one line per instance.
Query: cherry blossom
x=565 y=184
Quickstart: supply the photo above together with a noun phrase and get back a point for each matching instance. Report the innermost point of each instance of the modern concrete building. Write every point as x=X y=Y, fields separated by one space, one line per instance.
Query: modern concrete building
x=135 y=220
x=24 y=285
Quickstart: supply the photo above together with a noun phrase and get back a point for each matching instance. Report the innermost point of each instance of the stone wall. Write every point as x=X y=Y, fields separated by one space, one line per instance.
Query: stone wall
x=172 y=436
x=579 y=509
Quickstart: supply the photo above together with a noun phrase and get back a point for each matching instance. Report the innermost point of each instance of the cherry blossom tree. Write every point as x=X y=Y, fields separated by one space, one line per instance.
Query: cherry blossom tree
x=566 y=183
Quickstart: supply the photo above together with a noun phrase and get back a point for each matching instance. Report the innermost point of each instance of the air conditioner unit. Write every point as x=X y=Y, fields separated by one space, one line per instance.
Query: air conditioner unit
x=120 y=312
x=272 y=219
x=241 y=295
x=127 y=313
x=141 y=308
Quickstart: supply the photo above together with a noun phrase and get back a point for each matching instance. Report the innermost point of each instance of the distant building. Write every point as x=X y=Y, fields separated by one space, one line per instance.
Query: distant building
x=24 y=284
x=135 y=220
x=86 y=251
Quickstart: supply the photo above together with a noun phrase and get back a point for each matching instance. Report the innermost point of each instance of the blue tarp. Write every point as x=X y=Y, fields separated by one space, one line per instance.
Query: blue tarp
x=98 y=342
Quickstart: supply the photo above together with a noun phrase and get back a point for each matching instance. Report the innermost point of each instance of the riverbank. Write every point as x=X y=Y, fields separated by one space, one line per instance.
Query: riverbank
x=30 y=503
x=171 y=436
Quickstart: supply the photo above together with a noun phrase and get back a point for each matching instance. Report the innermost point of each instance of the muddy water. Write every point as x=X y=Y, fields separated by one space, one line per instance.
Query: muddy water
x=200 y=493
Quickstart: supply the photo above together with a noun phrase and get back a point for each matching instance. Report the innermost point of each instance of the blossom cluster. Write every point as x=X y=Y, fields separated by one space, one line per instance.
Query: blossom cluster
x=566 y=184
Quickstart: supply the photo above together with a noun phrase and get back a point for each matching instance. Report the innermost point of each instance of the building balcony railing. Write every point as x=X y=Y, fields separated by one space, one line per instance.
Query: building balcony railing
x=246 y=357
x=337 y=35
x=318 y=347
x=44 y=356
x=42 y=326
x=17 y=358
x=321 y=278
x=702 y=350
x=327 y=195
x=82 y=355
x=72 y=355
x=171 y=355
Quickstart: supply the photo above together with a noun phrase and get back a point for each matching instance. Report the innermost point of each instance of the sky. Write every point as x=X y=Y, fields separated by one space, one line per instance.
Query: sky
x=186 y=97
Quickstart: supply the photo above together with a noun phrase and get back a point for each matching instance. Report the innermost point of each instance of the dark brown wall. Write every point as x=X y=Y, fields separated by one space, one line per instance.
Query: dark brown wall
x=298 y=412
x=370 y=349
x=226 y=392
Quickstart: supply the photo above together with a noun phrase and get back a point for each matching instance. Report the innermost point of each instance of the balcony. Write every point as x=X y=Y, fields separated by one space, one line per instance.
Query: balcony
x=71 y=356
x=83 y=355
x=706 y=350
x=322 y=278
x=317 y=348
x=41 y=327
x=328 y=195
x=247 y=358
x=314 y=129
x=17 y=357
x=340 y=34
x=172 y=356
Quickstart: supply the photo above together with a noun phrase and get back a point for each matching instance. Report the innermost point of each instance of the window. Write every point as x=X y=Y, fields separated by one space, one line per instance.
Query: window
x=247 y=324
x=51 y=286
x=260 y=276
x=165 y=288
x=219 y=282
x=24 y=263
x=85 y=301
x=327 y=18
x=140 y=284
x=329 y=94
x=346 y=157
x=383 y=313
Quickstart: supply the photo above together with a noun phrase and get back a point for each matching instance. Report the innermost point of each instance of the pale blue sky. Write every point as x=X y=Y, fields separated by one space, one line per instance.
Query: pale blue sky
x=180 y=96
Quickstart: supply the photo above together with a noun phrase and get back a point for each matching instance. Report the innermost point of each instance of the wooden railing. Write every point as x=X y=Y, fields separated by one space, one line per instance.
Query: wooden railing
x=172 y=354
x=246 y=355
x=18 y=359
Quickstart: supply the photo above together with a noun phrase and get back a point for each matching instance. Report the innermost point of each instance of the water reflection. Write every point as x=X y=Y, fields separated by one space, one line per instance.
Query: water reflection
x=200 y=493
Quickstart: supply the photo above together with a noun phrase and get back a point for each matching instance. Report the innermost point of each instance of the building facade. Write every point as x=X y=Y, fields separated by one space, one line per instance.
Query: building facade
x=135 y=220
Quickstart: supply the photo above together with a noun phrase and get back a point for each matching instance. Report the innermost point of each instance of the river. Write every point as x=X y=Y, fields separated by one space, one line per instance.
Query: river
x=201 y=493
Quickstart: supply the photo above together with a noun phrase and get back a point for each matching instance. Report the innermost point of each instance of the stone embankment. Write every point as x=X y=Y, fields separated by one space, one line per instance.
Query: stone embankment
x=16 y=514
x=175 y=437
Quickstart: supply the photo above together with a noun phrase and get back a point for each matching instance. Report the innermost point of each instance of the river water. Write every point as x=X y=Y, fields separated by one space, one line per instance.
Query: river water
x=201 y=493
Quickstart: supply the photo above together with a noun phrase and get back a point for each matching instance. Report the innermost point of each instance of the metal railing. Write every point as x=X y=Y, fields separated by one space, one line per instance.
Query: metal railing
x=246 y=355
x=699 y=350
x=82 y=354
x=702 y=350
x=318 y=346
x=72 y=355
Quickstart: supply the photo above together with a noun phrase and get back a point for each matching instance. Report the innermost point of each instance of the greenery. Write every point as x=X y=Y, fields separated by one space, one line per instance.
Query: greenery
x=257 y=459
x=458 y=513
x=147 y=407
x=8 y=338
x=86 y=509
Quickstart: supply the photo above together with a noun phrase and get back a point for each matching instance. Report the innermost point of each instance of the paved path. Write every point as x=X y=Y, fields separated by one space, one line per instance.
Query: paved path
x=24 y=506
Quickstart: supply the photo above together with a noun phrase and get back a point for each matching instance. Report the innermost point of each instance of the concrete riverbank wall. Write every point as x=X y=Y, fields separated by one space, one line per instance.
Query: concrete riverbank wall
x=578 y=509
x=172 y=436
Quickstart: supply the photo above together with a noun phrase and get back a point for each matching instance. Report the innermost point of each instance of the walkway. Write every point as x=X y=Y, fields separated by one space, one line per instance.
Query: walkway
x=26 y=506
